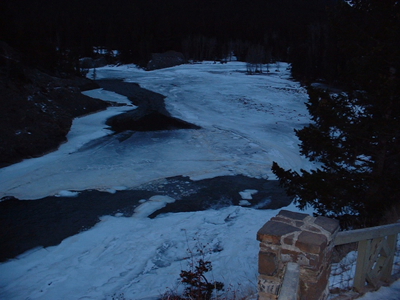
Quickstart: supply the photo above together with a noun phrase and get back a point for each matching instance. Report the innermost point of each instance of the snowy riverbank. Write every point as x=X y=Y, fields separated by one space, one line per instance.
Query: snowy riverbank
x=246 y=123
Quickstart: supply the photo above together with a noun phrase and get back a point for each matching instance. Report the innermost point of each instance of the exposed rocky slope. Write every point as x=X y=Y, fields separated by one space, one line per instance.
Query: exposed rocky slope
x=37 y=109
x=151 y=114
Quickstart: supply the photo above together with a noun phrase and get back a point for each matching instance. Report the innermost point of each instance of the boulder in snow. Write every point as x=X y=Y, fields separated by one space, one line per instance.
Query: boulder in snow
x=165 y=60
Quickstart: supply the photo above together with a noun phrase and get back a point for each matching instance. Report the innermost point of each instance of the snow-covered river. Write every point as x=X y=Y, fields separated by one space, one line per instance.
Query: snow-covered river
x=247 y=122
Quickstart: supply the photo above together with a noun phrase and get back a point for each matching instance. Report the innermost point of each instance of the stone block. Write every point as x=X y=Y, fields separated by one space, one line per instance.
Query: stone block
x=311 y=242
x=330 y=225
x=289 y=240
x=292 y=215
x=314 y=261
x=305 y=260
x=313 y=288
x=312 y=228
x=266 y=247
x=283 y=220
x=267 y=264
x=272 y=231
x=289 y=255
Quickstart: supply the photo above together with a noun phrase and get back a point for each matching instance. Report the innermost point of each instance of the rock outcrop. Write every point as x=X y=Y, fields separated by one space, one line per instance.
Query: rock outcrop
x=88 y=62
x=151 y=114
x=37 y=109
x=165 y=60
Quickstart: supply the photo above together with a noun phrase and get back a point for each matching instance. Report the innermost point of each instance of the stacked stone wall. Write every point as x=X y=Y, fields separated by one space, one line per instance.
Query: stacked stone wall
x=302 y=239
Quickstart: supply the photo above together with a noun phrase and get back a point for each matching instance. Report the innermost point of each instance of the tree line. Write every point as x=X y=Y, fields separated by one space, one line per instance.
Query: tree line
x=52 y=33
x=355 y=133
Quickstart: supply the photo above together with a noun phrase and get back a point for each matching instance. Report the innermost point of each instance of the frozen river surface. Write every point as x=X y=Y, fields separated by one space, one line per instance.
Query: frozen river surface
x=246 y=122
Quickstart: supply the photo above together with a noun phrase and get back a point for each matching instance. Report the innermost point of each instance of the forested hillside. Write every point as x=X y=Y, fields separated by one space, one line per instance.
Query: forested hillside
x=58 y=32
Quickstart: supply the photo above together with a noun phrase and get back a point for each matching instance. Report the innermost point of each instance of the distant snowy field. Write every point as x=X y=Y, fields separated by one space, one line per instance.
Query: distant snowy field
x=247 y=122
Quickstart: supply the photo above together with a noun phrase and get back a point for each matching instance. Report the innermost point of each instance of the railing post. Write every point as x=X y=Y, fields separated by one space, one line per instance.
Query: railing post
x=387 y=269
x=362 y=264
x=298 y=238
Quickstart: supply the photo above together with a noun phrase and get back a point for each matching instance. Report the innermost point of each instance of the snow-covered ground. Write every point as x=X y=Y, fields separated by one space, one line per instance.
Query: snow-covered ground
x=387 y=293
x=247 y=122
x=139 y=257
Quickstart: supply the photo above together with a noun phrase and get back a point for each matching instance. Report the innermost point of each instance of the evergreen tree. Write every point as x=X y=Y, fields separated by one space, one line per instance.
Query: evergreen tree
x=355 y=135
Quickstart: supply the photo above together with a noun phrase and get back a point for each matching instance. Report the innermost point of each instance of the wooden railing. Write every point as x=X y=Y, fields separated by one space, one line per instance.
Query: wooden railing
x=376 y=248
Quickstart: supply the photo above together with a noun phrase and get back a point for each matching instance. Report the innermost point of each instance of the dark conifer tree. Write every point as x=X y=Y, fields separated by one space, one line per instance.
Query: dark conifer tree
x=355 y=135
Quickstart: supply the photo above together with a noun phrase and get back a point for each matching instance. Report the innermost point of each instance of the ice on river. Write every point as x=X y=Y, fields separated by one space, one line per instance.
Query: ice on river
x=247 y=123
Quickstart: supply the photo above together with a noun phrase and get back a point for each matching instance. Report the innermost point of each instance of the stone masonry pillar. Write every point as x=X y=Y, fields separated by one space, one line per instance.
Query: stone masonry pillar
x=302 y=239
